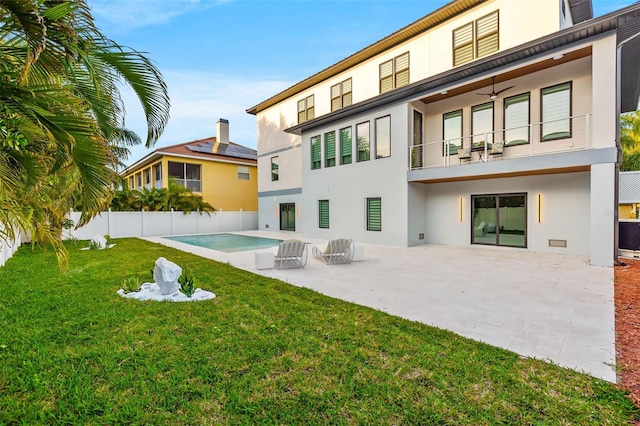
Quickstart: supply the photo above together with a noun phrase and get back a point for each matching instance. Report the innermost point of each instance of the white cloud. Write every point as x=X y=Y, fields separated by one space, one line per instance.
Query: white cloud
x=131 y=14
x=198 y=100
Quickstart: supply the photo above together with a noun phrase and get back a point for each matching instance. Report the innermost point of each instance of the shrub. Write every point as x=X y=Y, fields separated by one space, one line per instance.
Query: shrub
x=130 y=285
x=187 y=283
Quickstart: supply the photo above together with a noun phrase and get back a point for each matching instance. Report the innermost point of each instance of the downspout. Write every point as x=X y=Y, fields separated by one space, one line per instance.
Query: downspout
x=616 y=196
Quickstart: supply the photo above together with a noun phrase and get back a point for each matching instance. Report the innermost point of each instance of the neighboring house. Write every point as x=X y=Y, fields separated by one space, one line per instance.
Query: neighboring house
x=222 y=172
x=629 y=199
x=488 y=122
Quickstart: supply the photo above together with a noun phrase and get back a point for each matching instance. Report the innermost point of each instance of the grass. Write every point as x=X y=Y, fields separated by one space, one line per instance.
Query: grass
x=261 y=352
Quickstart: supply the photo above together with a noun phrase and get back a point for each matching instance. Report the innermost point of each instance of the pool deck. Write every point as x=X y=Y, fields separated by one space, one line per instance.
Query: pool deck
x=552 y=307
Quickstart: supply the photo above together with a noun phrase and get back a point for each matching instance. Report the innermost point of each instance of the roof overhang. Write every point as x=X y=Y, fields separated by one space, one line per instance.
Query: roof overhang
x=625 y=21
x=423 y=24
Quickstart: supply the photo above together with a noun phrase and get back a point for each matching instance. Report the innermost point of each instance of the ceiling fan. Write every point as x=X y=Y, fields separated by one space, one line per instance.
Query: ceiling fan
x=493 y=95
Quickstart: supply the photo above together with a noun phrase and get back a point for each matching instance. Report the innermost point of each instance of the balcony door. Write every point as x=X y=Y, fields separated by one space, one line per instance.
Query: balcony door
x=288 y=216
x=499 y=220
x=418 y=140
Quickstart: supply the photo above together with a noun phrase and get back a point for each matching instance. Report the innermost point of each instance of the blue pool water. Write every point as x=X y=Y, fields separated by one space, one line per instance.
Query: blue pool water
x=228 y=243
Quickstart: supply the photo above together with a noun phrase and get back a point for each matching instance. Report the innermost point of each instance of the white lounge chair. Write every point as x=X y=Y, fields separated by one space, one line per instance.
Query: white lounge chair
x=337 y=251
x=291 y=254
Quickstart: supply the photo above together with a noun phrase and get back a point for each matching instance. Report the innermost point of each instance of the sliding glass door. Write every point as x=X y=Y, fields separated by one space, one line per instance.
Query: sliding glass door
x=499 y=219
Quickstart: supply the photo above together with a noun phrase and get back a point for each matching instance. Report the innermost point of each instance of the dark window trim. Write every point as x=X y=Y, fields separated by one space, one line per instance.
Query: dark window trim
x=498 y=195
x=313 y=161
x=350 y=143
x=376 y=133
x=320 y=223
x=358 y=160
x=493 y=120
x=327 y=160
x=570 y=83
x=275 y=177
x=367 y=213
x=474 y=37
x=306 y=108
x=504 y=119
x=461 y=130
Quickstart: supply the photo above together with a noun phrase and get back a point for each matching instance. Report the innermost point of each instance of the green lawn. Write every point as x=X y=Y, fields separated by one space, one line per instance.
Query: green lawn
x=262 y=352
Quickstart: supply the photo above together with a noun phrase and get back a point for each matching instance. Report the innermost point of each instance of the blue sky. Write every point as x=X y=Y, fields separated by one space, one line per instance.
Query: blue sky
x=220 y=57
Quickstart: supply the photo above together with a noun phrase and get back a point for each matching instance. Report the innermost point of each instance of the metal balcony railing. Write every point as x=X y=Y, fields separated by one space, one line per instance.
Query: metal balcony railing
x=549 y=137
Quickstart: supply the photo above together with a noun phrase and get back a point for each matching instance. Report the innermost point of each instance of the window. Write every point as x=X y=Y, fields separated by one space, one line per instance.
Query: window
x=330 y=149
x=243 y=173
x=374 y=214
x=482 y=124
x=315 y=153
x=556 y=110
x=306 y=110
x=516 y=119
x=394 y=73
x=188 y=175
x=323 y=214
x=157 y=175
x=147 y=178
x=383 y=137
x=364 y=143
x=341 y=95
x=275 y=173
x=139 y=180
x=476 y=39
x=131 y=185
x=452 y=131
x=499 y=219
x=345 y=145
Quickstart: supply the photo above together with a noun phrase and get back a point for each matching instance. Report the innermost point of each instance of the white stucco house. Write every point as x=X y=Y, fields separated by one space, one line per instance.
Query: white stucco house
x=486 y=122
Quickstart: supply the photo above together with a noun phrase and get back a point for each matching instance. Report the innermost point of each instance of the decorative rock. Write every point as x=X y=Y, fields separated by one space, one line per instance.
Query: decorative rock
x=100 y=241
x=166 y=274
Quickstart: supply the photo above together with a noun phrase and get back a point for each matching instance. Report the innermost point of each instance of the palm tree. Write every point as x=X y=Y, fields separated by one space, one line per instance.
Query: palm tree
x=630 y=141
x=62 y=115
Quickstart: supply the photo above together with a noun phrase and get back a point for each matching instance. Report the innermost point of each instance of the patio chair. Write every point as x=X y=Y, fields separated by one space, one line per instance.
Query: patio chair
x=291 y=254
x=337 y=251
x=496 y=149
x=464 y=154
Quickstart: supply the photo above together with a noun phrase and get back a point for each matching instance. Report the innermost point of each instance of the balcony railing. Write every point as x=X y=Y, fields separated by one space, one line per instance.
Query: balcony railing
x=549 y=137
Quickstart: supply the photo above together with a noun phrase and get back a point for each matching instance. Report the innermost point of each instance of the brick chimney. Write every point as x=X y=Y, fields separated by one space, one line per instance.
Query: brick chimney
x=222 y=127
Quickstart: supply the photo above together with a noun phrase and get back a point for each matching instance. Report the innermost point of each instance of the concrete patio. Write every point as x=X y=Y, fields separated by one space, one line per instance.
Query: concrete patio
x=552 y=307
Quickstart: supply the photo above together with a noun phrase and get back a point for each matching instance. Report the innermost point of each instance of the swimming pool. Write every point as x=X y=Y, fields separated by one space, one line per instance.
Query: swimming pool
x=228 y=243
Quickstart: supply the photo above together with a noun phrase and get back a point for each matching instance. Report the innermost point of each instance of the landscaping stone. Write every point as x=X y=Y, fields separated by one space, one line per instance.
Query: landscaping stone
x=166 y=274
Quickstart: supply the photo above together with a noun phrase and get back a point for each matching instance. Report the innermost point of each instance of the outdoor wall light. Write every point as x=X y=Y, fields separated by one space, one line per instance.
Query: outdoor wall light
x=539 y=208
x=460 y=211
x=558 y=56
x=298 y=210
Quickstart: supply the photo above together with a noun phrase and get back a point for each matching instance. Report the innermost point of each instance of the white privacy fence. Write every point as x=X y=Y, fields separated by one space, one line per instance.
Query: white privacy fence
x=7 y=248
x=153 y=224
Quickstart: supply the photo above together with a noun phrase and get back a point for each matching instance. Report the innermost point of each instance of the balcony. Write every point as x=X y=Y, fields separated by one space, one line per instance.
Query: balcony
x=537 y=139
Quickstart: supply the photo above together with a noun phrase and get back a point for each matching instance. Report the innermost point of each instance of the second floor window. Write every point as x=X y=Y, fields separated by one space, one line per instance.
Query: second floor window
x=147 y=178
x=243 y=173
x=341 y=95
x=394 y=73
x=556 y=110
x=476 y=39
x=330 y=149
x=186 y=174
x=345 y=145
x=482 y=124
x=316 y=161
x=363 y=141
x=275 y=172
x=157 y=175
x=452 y=131
x=306 y=109
x=516 y=119
x=383 y=137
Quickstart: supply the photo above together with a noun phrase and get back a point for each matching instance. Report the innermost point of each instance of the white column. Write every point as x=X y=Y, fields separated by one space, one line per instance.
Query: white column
x=602 y=214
